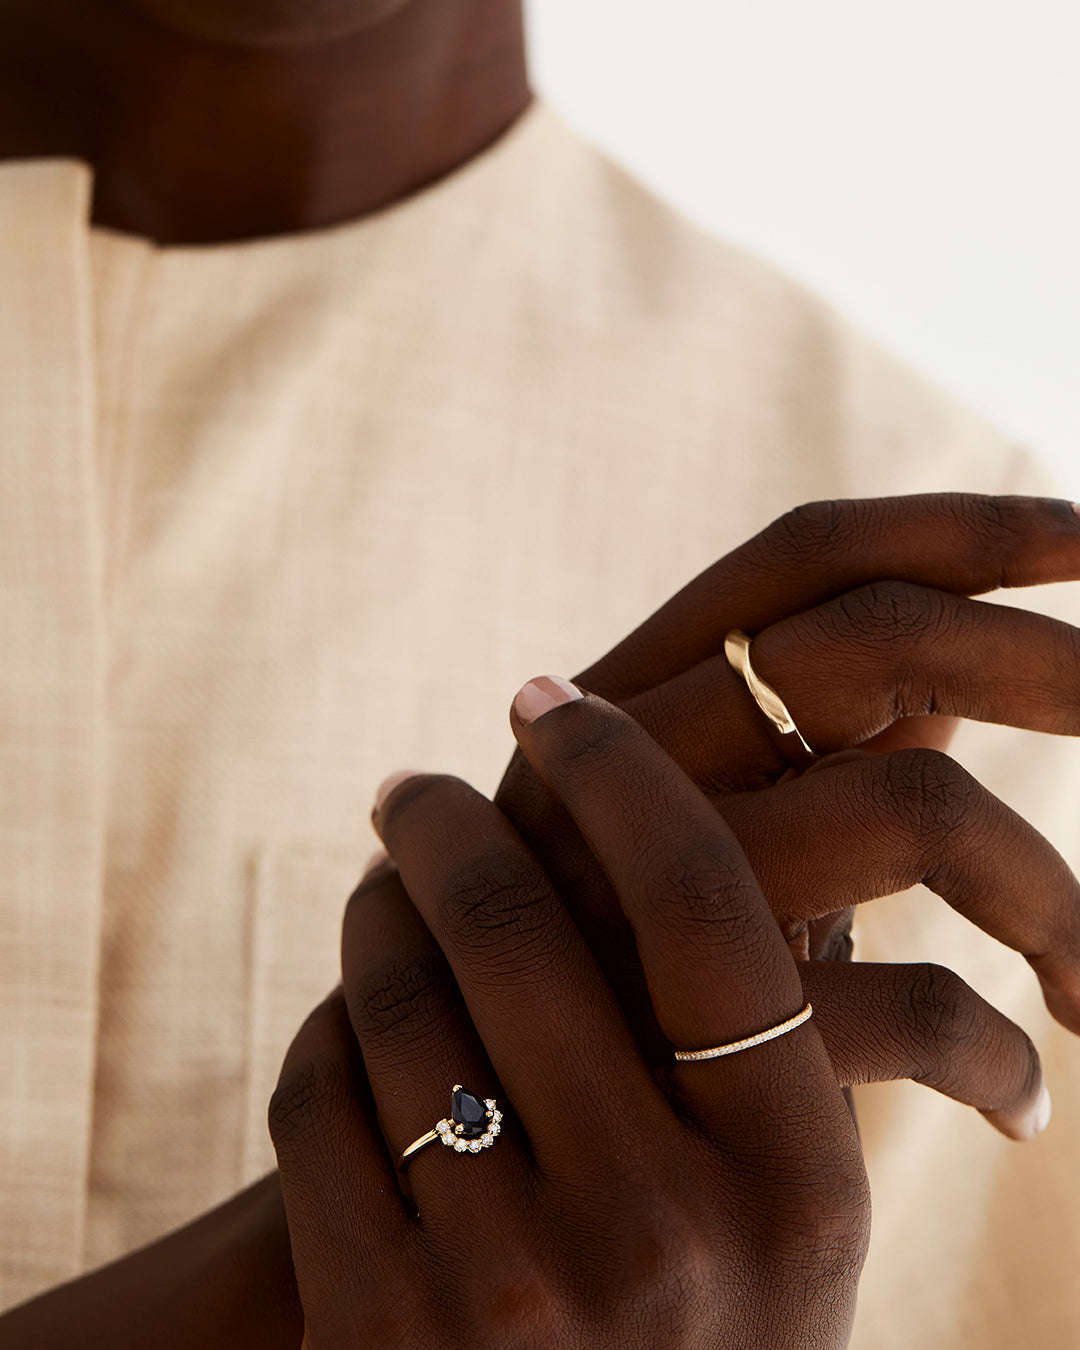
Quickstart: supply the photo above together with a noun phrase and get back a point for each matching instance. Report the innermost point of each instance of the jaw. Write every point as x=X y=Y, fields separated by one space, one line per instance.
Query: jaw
x=269 y=24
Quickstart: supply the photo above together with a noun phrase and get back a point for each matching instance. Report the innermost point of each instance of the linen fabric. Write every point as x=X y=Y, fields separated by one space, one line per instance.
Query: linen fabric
x=281 y=517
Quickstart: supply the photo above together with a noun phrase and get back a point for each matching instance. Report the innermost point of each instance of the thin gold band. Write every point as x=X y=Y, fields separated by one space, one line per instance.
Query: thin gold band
x=428 y=1138
x=717 y=1050
x=737 y=651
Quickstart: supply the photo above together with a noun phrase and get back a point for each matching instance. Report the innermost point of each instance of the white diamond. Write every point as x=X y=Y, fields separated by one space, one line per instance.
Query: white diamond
x=495 y=1128
x=443 y=1127
x=460 y=1145
x=486 y=1140
x=448 y=1139
x=474 y=1147
x=496 y=1116
x=489 y=1102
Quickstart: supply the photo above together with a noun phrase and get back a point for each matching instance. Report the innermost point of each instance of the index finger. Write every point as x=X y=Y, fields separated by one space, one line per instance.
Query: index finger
x=717 y=966
x=957 y=542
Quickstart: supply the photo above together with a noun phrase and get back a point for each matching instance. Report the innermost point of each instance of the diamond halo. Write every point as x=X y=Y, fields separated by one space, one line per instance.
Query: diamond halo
x=473 y=1125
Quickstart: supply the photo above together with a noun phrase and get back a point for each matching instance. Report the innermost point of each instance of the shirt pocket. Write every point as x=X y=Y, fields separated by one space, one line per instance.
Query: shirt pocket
x=298 y=900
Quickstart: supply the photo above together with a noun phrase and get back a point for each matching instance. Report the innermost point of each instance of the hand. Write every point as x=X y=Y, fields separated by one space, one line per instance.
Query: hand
x=720 y=1202
x=723 y=1203
x=861 y=621
x=222 y=1282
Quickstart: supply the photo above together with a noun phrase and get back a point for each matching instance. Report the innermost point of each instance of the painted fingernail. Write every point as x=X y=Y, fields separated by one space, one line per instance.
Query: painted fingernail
x=539 y=696
x=389 y=784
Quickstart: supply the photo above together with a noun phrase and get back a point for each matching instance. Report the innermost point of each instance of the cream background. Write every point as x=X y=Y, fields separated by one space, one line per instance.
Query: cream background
x=913 y=161
x=270 y=511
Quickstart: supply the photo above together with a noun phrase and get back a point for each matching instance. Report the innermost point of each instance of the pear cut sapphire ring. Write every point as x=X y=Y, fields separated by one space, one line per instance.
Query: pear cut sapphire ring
x=473 y=1124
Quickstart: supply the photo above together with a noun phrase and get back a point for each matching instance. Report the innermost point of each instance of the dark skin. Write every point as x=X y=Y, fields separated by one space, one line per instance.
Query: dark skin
x=214 y=121
x=856 y=825
x=236 y=119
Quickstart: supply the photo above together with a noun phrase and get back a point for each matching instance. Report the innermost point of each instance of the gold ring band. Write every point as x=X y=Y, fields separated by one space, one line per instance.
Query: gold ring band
x=473 y=1124
x=737 y=651
x=735 y=1046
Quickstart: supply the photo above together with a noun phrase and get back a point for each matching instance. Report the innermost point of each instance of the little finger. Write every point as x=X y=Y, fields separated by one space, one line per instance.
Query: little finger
x=885 y=1022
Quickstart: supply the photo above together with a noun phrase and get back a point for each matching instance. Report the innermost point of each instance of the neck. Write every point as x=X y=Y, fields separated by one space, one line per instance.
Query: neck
x=191 y=142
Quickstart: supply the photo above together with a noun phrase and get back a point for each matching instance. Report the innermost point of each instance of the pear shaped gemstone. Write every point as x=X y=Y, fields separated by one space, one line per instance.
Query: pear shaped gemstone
x=469 y=1114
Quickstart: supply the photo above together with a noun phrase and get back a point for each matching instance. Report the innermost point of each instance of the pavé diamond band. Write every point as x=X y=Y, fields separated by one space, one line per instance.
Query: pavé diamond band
x=473 y=1124
x=735 y=1046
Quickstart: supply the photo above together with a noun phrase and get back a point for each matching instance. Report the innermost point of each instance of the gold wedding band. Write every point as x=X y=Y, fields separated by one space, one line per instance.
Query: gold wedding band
x=737 y=651
x=714 y=1052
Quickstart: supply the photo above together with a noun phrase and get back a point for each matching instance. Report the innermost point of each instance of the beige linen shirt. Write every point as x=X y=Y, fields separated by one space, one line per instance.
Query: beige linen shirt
x=278 y=518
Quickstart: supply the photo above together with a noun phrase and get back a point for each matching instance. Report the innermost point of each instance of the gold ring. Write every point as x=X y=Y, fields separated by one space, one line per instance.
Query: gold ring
x=737 y=651
x=473 y=1124
x=735 y=1046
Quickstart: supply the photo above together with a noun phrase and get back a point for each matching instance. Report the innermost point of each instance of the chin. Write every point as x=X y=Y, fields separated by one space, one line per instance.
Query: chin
x=269 y=23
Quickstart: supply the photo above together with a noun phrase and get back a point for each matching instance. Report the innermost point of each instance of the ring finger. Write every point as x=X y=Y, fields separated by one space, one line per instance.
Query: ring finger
x=547 y=1018
x=418 y=1044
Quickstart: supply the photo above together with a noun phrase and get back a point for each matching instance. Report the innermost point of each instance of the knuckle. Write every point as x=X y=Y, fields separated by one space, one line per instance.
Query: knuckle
x=709 y=894
x=890 y=611
x=819 y=1219
x=520 y=1304
x=398 y=999
x=942 y=1015
x=668 y=1260
x=934 y=795
x=499 y=905
x=1000 y=523
x=310 y=1099
x=813 y=531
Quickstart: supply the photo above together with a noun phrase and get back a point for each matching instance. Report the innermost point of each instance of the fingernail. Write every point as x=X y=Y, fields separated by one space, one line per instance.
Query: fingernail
x=1029 y=1125
x=376 y=860
x=539 y=696
x=1076 y=507
x=1044 y=1109
x=389 y=784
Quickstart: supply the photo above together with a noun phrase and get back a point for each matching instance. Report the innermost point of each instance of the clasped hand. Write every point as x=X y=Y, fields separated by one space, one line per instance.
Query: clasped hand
x=552 y=952
x=697 y=1204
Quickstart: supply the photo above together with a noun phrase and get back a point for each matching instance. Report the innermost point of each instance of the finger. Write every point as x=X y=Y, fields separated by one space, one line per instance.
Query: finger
x=875 y=825
x=956 y=542
x=862 y=665
x=345 y=1212
x=716 y=965
x=850 y=668
x=418 y=1043
x=884 y=1022
x=547 y=1018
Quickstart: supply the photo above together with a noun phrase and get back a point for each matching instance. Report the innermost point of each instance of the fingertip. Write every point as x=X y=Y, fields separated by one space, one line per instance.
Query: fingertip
x=1029 y=1124
x=540 y=695
x=388 y=785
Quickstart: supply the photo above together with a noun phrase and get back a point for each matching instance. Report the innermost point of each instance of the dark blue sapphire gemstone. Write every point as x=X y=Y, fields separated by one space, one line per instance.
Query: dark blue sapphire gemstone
x=470 y=1113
